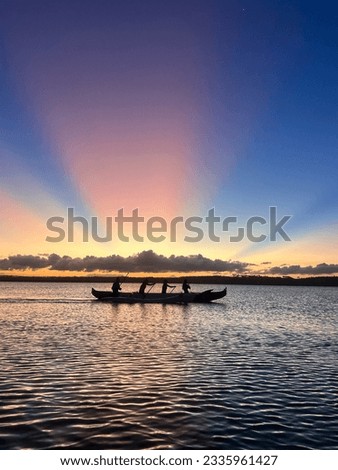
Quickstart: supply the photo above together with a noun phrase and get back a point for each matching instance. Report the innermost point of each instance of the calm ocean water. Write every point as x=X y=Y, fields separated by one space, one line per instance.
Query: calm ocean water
x=256 y=370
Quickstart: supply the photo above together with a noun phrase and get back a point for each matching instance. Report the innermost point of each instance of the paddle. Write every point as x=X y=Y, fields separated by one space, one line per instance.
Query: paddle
x=151 y=288
x=125 y=276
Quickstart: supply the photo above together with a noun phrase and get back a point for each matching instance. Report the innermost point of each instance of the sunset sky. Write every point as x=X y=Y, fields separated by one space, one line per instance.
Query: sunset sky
x=174 y=108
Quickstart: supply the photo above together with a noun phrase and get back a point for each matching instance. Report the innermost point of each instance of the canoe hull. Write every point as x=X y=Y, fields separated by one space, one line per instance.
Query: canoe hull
x=129 y=297
x=139 y=300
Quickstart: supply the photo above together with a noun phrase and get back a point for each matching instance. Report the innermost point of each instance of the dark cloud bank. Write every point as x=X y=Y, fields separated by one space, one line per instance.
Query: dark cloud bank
x=148 y=261
x=296 y=269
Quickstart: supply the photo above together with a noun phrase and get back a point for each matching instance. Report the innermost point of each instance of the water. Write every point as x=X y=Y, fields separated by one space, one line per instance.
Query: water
x=256 y=370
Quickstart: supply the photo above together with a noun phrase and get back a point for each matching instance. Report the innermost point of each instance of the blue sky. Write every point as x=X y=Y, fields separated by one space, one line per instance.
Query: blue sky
x=172 y=107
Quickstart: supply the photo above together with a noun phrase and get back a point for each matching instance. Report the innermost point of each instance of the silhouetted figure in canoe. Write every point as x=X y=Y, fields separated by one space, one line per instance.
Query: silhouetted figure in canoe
x=143 y=286
x=116 y=287
x=165 y=286
x=185 y=287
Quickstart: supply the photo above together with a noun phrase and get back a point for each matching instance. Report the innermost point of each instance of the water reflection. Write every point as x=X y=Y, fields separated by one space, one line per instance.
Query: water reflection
x=255 y=370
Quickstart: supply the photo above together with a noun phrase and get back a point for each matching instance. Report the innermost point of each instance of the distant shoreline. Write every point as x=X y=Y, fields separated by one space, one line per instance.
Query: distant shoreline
x=327 y=281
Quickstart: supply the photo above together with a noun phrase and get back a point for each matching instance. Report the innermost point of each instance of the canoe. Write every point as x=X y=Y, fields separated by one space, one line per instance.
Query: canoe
x=134 y=297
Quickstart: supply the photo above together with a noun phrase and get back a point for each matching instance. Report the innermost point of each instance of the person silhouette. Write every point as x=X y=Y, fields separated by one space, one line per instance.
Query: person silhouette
x=143 y=286
x=185 y=287
x=165 y=286
x=116 y=287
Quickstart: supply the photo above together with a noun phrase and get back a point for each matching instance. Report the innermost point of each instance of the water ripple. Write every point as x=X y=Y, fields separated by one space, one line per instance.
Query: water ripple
x=257 y=370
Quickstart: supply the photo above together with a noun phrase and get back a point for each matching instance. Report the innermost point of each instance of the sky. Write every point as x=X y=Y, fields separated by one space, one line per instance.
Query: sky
x=175 y=109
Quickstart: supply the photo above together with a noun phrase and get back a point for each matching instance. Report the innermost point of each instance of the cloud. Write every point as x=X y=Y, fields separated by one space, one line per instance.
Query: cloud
x=23 y=262
x=319 y=269
x=149 y=261
x=146 y=261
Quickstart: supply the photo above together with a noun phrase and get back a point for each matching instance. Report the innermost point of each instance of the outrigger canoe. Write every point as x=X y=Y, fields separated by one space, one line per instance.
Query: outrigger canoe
x=171 y=298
